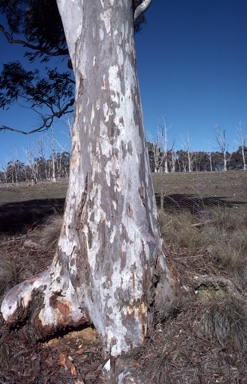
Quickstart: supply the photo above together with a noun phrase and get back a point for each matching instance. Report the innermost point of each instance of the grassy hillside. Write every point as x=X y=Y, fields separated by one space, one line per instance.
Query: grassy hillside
x=230 y=185
x=202 y=341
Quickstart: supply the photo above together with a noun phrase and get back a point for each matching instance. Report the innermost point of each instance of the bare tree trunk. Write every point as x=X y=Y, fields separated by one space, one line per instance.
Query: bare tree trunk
x=109 y=268
x=242 y=144
x=221 y=140
x=243 y=156
x=187 y=145
x=225 y=162
x=210 y=162
x=162 y=143
x=173 y=166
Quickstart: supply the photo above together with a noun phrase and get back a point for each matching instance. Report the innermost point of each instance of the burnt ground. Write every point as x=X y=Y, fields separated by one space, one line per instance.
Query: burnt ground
x=180 y=350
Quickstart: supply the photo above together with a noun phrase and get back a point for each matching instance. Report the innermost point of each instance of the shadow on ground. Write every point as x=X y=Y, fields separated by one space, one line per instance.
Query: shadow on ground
x=15 y=217
x=193 y=203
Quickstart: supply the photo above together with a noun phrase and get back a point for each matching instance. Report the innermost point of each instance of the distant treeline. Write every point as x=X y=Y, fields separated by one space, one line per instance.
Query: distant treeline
x=57 y=166
x=39 y=169
x=189 y=161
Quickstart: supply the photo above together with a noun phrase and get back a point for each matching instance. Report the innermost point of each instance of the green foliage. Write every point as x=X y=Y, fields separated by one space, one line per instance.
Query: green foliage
x=39 y=23
x=55 y=90
x=40 y=31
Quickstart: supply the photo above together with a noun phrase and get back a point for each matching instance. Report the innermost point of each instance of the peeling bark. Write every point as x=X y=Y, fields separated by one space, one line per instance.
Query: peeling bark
x=105 y=268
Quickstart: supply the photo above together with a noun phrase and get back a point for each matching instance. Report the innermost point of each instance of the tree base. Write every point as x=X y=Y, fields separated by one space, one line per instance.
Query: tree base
x=44 y=304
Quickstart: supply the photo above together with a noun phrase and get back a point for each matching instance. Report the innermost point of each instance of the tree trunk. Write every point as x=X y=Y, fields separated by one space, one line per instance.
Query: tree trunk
x=225 y=162
x=243 y=156
x=109 y=268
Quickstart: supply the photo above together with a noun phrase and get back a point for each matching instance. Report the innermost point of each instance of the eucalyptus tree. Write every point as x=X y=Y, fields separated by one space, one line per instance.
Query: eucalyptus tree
x=109 y=269
x=220 y=137
x=242 y=144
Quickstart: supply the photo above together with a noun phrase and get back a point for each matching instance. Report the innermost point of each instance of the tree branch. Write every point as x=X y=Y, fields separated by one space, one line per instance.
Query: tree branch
x=59 y=52
x=47 y=121
x=142 y=8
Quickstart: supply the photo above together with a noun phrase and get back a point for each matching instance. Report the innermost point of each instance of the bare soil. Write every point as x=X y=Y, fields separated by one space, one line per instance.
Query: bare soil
x=178 y=351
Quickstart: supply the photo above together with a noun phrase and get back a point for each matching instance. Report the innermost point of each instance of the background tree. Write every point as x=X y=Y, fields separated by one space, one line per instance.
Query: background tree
x=158 y=148
x=220 y=136
x=242 y=144
x=173 y=157
x=209 y=153
x=109 y=268
x=189 y=153
x=201 y=161
x=162 y=139
x=154 y=154
x=236 y=158
x=4 y=172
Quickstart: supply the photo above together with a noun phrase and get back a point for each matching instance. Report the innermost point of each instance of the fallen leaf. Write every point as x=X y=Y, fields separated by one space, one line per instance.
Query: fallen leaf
x=73 y=370
x=62 y=359
x=66 y=362
x=80 y=351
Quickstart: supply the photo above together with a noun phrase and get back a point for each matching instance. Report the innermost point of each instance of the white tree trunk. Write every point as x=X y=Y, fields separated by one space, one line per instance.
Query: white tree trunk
x=225 y=162
x=243 y=156
x=109 y=254
x=210 y=162
x=242 y=144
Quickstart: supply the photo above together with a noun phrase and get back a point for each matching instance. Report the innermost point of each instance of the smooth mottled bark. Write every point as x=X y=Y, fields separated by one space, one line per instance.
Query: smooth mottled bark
x=109 y=268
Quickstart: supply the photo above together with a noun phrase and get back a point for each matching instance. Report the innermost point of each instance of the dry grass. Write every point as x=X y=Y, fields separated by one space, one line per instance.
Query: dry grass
x=180 y=232
x=218 y=233
x=48 y=234
x=231 y=252
x=226 y=321
x=14 y=269
x=226 y=232
x=9 y=273
x=4 y=354
x=218 y=236
x=229 y=185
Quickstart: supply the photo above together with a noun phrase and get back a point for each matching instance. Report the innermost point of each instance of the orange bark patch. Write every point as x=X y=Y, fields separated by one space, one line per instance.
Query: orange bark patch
x=64 y=309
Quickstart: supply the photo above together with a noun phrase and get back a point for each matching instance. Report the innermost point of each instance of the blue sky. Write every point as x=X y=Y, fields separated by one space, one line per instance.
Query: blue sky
x=192 y=62
x=192 y=65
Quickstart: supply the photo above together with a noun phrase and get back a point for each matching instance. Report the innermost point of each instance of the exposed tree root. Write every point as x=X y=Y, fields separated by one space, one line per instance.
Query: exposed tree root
x=217 y=282
x=45 y=304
